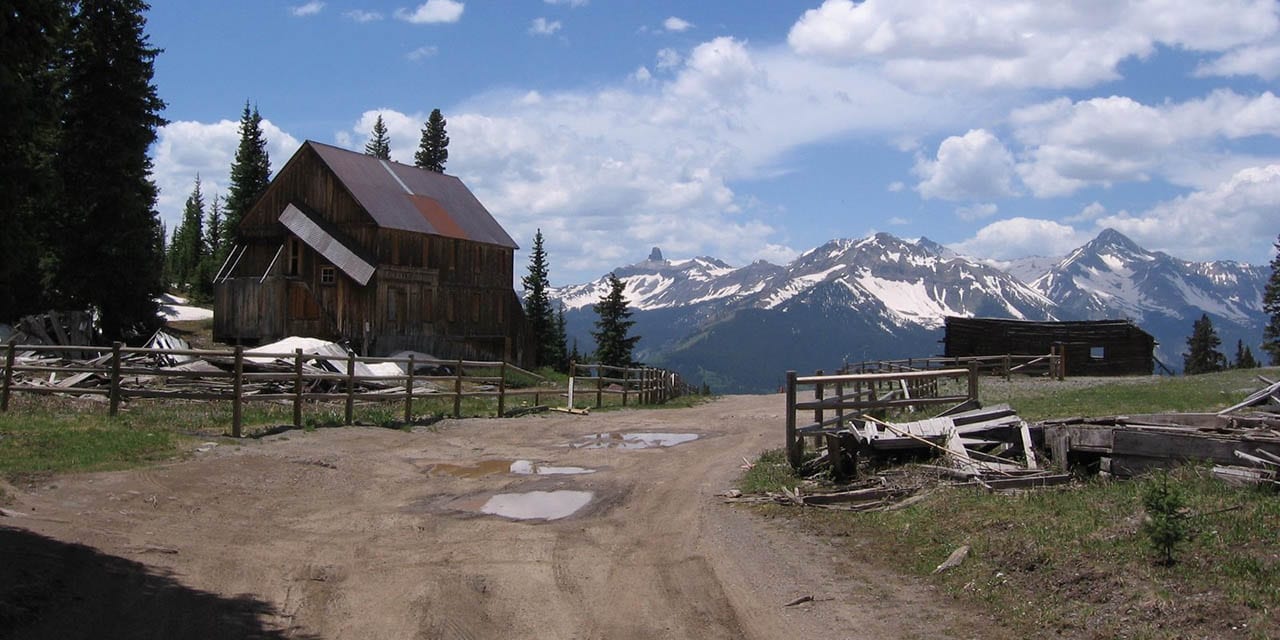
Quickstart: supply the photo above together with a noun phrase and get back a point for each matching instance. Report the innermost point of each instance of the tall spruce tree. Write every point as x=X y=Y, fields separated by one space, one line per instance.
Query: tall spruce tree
x=250 y=172
x=433 y=149
x=1271 y=305
x=613 y=346
x=379 y=145
x=207 y=268
x=1202 y=354
x=1244 y=357
x=31 y=80
x=537 y=305
x=187 y=249
x=560 y=342
x=108 y=252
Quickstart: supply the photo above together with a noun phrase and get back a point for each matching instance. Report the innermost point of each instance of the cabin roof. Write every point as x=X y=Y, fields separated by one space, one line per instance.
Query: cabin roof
x=404 y=197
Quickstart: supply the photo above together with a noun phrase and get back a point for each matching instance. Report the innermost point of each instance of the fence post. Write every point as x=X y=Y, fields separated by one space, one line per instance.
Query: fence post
x=839 y=404
x=408 y=393
x=599 y=386
x=818 y=394
x=113 y=393
x=237 y=389
x=793 y=449
x=573 y=372
x=351 y=388
x=457 y=392
x=626 y=383
x=297 y=388
x=973 y=380
x=1007 y=364
x=8 y=374
x=502 y=388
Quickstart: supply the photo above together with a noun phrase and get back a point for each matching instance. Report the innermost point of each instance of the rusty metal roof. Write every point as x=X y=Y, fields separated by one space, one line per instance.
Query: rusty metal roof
x=329 y=243
x=400 y=196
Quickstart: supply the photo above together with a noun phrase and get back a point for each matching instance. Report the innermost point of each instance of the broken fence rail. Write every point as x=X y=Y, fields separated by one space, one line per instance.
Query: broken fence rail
x=1050 y=365
x=854 y=395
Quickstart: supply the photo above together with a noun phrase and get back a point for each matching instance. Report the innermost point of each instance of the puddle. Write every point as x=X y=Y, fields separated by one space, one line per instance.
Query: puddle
x=537 y=505
x=495 y=467
x=633 y=440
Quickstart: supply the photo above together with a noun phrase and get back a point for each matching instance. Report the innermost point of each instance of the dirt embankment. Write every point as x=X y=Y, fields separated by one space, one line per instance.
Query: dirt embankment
x=368 y=533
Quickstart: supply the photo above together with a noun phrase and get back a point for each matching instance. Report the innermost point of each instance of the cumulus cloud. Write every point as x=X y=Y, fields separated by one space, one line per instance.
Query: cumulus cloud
x=308 y=9
x=1091 y=211
x=676 y=24
x=974 y=166
x=1021 y=237
x=360 y=15
x=978 y=211
x=1023 y=43
x=432 y=12
x=1261 y=60
x=544 y=27
x=668 y=58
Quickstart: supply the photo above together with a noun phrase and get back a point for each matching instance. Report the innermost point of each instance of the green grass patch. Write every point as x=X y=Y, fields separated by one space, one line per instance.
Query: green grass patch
x=52 y=444
x=770 y=472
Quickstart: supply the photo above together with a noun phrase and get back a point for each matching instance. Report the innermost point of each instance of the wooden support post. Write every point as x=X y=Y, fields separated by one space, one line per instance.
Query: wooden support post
x=1007 y=365
x=457 y=392
x=8 y=374
x=835 y=456
x=1062 y=363
x=818 y=395
x=297 y=388
x=626 y=384
x=237 y=392
x=839 y=405
x=599 y=386
x=793 y=448
x=113 y=393
x=408 y=392
x=973 y=380
x=351 y=389
x=502 y=388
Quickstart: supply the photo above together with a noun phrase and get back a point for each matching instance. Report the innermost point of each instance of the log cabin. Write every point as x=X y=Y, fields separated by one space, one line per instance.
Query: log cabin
x=1088 y=347
x=382 y=255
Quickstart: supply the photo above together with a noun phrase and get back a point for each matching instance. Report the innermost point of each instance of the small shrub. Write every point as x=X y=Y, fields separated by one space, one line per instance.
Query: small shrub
x=1166 y=524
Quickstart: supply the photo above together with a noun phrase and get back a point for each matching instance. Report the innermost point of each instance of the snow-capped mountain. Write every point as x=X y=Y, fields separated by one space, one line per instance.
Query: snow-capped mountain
x=882 y=296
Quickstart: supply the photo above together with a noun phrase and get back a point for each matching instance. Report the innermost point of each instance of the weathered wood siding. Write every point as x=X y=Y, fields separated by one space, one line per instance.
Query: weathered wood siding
x=1107 y=347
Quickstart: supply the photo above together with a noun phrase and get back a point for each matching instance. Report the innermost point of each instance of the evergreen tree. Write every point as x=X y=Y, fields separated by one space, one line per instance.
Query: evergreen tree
x=187 y=249
x=433 y=149
x=32 y=33
x=613 y=346
x=559 y=343
x=537 y=305
x=1271 y=305
x=1202 y=354
x=379 y=145
x=250 y=173
x=1244 y=357
x=207 y=268
x=106 y=249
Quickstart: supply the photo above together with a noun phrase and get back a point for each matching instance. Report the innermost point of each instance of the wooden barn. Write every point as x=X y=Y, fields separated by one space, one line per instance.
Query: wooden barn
x=1089 y=347
x=387 y=256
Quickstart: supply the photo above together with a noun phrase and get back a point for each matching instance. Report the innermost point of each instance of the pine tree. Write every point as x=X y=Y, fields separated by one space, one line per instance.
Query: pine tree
x=31 y=79
x=537 y=305
x=1271 y=305
x=207 y=268
x=433 y=149
x=613 y=346
x=108 y=253
x=250 y=173
x=187 y=249
x=379 y=145
x=559 y=343
x=1202 y=354
x=1244 y=357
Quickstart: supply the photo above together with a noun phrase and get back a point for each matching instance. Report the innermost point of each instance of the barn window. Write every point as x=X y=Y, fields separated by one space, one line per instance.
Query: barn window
x=295 y=256
x=1097 y=353
x=328 y=275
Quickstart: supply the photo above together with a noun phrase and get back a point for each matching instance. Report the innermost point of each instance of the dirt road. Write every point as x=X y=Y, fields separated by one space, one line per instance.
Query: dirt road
x=370 y=533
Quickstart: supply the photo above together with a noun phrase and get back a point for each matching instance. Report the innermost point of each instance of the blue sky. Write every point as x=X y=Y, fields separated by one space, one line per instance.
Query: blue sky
x=757 y=129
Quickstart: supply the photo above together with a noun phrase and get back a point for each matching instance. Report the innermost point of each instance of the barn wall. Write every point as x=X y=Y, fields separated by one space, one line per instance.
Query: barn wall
x=1091 y=348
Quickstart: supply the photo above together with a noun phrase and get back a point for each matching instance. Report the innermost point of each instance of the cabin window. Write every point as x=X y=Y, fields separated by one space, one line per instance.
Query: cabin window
x=295 y=257
x=328 y=275
x=1097 y=353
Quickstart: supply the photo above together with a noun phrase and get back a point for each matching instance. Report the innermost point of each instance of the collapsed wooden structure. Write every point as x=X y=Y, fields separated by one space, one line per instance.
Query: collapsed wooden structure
x=1086 y=347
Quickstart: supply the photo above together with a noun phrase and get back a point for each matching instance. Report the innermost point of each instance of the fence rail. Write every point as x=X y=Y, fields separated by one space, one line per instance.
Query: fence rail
x=855 y=394
x=292 y=377
x=648 y=385
x=1049 y=364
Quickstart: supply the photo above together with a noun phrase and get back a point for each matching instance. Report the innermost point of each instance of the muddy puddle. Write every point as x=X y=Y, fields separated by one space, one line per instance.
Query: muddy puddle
x=496 y=467
x=633 y=440
x=537 y=505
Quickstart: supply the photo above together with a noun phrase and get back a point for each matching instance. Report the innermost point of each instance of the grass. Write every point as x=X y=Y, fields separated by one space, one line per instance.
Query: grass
x=1074 y=561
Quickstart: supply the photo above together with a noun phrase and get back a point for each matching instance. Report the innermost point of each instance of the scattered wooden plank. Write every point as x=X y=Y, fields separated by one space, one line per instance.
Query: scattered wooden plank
x=954 y=560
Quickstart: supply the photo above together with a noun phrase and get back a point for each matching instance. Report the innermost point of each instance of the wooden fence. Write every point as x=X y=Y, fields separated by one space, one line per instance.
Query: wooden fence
x=849 y=395
x=1051 y=365
x=647 y=385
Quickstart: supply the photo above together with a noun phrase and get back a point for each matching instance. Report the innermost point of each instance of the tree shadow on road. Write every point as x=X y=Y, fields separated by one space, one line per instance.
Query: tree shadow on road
x=53 y=589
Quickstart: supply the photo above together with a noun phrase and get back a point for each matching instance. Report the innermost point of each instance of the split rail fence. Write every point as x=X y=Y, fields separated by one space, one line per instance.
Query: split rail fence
x=297 y=382
x=1050 y=365
x=841 y=397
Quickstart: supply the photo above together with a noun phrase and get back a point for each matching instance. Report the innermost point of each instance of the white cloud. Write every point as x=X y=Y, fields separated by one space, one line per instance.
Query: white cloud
x=676 y=24
x=978 y=211
x=1261 y=60
x=432 y=12
x=1103 y=141
x=422 y=53
x=359 y=15
x=642 y=74
x=897 y=221
x=544 y=27
x=1090 y=212
x=1021 y=43
x=185 y=148
x=668 y=58
x=308 y=9
x=970 y=167
x=896 y=186
x=568 y=3
x=1021 y=237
